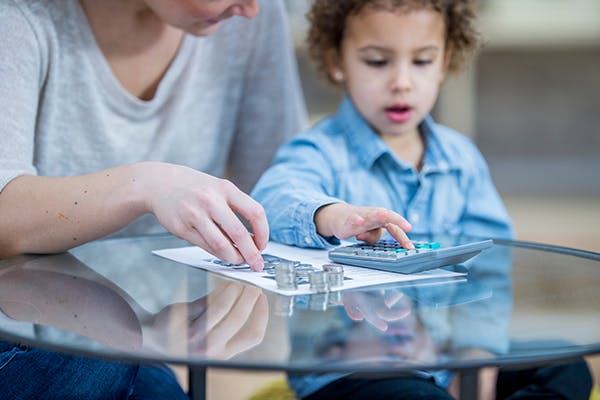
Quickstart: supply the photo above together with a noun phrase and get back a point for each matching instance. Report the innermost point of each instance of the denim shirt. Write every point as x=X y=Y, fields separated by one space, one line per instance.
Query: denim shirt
x=342 y=159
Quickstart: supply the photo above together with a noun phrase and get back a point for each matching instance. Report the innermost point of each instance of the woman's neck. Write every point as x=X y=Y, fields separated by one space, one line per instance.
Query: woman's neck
x=137 y=44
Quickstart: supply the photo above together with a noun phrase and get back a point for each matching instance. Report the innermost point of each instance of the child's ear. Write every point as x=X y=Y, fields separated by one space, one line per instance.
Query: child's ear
x=334 y=66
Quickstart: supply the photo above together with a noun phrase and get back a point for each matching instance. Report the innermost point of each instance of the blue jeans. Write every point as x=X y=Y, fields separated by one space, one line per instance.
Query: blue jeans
x=27 y=373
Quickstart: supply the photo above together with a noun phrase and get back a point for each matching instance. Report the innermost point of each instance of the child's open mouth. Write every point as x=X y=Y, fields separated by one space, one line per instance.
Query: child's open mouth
x=398 y=113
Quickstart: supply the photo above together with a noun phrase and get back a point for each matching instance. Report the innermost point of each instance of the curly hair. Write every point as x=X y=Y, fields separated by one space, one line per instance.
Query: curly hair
x=327 y=23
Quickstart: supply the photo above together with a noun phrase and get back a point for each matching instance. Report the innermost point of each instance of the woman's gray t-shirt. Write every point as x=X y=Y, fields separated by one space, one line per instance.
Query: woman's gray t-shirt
x=225 y=104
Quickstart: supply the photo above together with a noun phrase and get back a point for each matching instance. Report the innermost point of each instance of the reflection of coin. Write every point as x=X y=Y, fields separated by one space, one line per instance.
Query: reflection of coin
x=284 y=306
x=335 y=298
x=318 y=301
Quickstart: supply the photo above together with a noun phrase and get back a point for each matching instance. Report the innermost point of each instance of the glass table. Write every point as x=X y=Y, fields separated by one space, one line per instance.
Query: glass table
x=520 y=304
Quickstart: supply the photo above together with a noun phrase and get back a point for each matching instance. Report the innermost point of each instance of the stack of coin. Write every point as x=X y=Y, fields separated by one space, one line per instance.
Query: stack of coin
x=285 y=276
x=303 y=270
x=319 y=281
x=335 y=274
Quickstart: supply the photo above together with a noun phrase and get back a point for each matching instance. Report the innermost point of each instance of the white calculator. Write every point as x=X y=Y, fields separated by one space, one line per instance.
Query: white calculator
x=389 y=255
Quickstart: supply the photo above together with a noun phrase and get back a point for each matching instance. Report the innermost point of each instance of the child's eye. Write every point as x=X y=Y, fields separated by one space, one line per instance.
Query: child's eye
x=376 y=63
x=422 y=62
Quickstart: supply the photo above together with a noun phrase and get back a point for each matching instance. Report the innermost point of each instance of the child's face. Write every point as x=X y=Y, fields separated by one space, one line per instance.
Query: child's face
x=201 y=17
x=392 y=64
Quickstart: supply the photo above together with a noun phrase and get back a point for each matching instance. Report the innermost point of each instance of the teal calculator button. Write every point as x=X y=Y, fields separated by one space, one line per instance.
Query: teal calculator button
x=401 y=250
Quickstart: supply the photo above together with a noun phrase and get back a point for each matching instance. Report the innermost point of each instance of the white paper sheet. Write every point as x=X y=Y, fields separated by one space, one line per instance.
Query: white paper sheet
x=354 y=277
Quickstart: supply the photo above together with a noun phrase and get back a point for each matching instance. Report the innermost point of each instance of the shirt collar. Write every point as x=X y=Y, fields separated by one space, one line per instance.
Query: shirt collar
x=362 y=139
x=369 y=147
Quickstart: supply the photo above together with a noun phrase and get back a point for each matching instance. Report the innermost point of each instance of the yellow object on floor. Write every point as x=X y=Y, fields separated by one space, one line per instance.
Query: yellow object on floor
x=276 y=390
x=279 y=390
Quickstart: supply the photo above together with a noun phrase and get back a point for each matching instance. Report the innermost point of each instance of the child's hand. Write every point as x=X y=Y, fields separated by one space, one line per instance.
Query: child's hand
x=366 y=223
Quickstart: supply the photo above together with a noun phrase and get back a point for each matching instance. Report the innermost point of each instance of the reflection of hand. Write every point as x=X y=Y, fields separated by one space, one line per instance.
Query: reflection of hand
x=378 y=308
x=200 y=208
x=365 y=223
x=231 y=319
x=391 y=312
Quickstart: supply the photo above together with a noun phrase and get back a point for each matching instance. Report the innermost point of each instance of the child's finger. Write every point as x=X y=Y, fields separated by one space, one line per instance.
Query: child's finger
x=400 y=236
x=371 y=236
x=400 y=221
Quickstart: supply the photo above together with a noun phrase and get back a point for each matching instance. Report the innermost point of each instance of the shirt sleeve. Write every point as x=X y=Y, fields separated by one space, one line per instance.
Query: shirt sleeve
x=273 y=107
x=485 y=214
x=20 y=83
x=299 y=182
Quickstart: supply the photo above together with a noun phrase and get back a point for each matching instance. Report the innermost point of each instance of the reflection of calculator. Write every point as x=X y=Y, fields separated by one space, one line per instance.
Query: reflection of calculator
x=389 y=255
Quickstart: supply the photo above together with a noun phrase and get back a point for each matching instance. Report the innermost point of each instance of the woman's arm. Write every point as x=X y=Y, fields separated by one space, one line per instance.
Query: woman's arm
x=46 y=215
x=51 y=214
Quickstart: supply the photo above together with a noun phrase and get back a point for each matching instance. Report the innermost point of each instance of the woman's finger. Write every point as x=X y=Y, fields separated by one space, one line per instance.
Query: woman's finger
x=254 y=213
x=216 y=242
x=239 y=236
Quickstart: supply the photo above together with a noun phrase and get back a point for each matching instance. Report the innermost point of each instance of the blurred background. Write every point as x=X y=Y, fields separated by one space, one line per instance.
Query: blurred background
x=531 y=102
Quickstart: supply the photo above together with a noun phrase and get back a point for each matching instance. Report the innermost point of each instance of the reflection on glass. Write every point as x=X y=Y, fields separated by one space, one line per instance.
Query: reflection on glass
x=419 y=324
x=71 y=305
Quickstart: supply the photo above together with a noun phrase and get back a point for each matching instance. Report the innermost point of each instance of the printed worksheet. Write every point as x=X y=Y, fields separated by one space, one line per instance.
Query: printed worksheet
x=354 y=277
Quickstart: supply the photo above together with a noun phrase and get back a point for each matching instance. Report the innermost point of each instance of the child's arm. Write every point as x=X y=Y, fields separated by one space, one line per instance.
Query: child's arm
x=343 y=221
x=305 y=205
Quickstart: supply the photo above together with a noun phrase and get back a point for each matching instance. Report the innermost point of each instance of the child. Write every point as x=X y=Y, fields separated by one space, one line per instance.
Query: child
x=382 y=157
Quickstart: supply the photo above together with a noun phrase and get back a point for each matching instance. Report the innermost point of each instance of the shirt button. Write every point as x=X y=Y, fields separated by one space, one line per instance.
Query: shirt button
x=308 y=240
x=413 y=218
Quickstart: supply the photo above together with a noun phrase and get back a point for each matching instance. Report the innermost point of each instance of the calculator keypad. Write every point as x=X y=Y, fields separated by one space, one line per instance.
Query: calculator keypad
x=389 y=249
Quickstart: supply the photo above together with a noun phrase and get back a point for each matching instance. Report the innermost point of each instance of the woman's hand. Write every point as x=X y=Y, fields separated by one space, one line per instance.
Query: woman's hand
x=365 y=223
x=202 y=209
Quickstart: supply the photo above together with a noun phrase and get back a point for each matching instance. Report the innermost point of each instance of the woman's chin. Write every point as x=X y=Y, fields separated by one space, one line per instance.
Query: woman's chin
x=205 y=29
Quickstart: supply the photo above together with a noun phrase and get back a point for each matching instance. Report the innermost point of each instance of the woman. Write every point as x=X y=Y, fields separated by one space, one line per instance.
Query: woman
x=110 y=111
x=112 y=108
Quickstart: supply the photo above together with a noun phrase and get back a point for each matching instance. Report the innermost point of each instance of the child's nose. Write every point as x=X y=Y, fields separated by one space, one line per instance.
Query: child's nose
x=246 y=8
x=401 y=80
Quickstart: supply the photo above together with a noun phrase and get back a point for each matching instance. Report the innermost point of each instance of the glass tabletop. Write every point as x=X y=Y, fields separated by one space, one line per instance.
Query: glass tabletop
x=520 y=303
